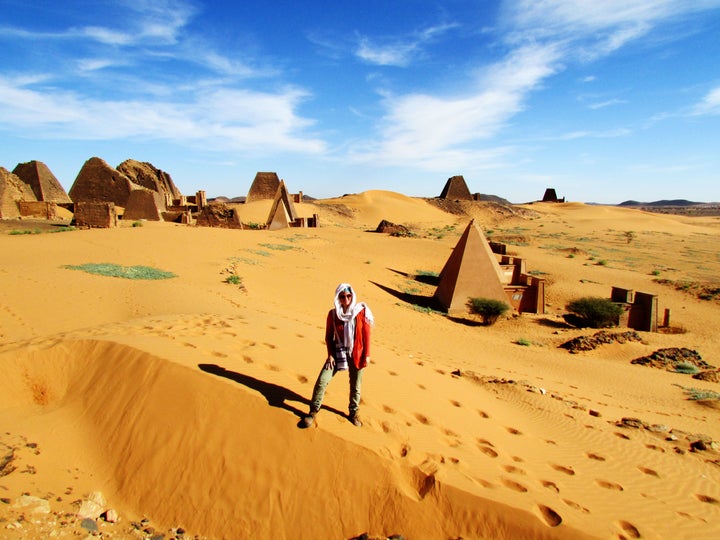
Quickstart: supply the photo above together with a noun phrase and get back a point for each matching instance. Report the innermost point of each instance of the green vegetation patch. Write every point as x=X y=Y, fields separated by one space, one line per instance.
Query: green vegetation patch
x=126 y=272
x=278 y=247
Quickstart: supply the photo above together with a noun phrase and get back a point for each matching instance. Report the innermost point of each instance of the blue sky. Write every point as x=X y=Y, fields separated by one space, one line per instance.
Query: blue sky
x=603 y=101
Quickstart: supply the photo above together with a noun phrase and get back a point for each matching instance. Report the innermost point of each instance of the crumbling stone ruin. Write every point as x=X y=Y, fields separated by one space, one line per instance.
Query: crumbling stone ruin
x=102 y=215
x=456 y=189
x=219 y=215
x=99 y=182
x=147 y=176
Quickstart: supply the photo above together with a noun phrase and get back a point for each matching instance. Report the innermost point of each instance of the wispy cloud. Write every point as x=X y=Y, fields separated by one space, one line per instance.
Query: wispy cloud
x=434 y=131
x=398 y=51
x=543 y=37
x=606 y=103
x=709 y=105
x=230 y=119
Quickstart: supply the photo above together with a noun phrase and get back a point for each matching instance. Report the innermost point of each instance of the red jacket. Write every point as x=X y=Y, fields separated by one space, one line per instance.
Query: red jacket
x=361 y=346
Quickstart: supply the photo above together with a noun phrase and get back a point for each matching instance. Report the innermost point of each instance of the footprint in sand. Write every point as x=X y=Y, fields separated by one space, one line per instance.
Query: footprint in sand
x=512 y=484
x=513 y=431
x=550 y=485
x=450 y=433
x=649 y=472
x=422 y=419
x=517 y=459
x=404 y=450
x=548 y=441
x=302 y=378
x=483 y=414
x=190 y=345
x=270 y=345
x=622 y=435
x=440 y=371
x=272 y=367
x=393 y=373
x=655 y=447
x=576 y=506
x=563 y=469
x=484 y=441
x=422 y=387
x=629 y=529
x=219 y=354
x=455 y=403
x=549 y=516
x=706 y=499
x=607 y=484
x=248 y=360
x=488 y=451
x=388 y=409
x=513 y=470
x=596 y=457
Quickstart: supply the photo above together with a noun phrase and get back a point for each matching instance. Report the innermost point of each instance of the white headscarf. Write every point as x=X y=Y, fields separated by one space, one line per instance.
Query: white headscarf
x=352 y=312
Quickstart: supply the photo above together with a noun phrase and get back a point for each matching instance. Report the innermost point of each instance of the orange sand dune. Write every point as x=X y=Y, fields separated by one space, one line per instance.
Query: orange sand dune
x=179 y=399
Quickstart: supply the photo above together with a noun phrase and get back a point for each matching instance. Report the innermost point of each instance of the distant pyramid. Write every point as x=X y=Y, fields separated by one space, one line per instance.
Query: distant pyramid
x=282 y=212
x=12 y=190
x=551 y=196
x=42 y=181
x=456 y=189
x=264 y=187
x=471 y=271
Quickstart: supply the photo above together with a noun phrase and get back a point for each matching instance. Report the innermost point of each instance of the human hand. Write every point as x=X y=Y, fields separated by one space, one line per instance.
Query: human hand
x=329 y=363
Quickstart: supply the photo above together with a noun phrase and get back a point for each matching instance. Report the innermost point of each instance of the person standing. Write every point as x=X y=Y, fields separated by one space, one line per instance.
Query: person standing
x=347 y=337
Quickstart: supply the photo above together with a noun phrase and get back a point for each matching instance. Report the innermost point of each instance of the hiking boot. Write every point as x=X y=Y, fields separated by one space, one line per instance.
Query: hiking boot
x=355 y=419
x=308 y=419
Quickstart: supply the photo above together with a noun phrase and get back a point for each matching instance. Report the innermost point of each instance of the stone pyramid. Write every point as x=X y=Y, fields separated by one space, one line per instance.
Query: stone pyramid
x=282 y=212
x=264 y=186
x=12 y=190
x=471 y=271
x=42 y=181
x=99 y=182
x=456 y=189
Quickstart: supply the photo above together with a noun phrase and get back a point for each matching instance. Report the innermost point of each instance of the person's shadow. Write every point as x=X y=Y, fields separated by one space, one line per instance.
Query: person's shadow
x=276 y=395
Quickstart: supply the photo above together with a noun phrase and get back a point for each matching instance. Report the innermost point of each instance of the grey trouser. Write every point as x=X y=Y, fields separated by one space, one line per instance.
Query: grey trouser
x=324 y=379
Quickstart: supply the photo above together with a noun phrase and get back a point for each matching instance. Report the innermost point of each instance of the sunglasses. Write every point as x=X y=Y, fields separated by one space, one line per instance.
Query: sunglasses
x=343 y=296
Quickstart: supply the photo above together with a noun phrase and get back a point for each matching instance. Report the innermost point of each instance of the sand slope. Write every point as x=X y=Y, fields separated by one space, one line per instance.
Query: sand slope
x=179 y=399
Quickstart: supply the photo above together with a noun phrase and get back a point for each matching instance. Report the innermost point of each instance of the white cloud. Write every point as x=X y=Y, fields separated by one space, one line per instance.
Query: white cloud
x=709 y=105
x=239 y=119
x=398 y=51
x=435 y=131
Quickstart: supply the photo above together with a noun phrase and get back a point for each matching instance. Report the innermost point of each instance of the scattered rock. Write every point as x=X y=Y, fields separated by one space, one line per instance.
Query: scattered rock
x=36 y=505
x=588 y=343
x=595 y=413
x=671 y=358
x=89 y=525
x=393 y=229
x=632 y=423
x=698 y=446
x=710 y=375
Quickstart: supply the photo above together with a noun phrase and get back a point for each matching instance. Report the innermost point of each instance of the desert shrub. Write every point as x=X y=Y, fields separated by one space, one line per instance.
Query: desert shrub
x=687 y=368
x=489 y=309
x=698 y=394
x=595 y=312
x=137 y=224
x=234 y=279
x=126 y=272
x=523 y=342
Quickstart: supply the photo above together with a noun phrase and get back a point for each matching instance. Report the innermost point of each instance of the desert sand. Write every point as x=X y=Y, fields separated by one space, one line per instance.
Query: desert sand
x=179 y=399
